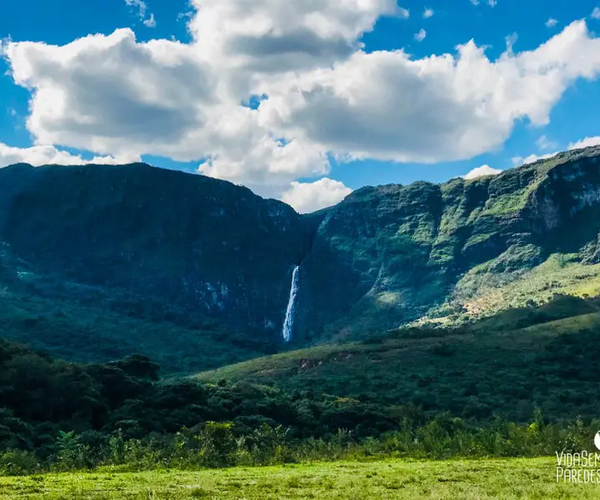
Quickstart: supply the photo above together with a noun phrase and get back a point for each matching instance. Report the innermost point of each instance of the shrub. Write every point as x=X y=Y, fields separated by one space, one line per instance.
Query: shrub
x=18 y=463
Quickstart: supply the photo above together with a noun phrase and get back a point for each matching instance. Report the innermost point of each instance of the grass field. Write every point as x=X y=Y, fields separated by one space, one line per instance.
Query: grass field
x=394 y=479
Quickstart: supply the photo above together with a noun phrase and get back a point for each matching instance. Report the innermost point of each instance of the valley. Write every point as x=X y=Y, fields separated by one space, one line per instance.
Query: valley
x=153 y=319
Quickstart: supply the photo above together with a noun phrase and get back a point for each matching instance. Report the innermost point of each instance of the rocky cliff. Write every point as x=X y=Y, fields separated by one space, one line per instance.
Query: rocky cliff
x=200 y=243
x=392 y=254
x=384 y=256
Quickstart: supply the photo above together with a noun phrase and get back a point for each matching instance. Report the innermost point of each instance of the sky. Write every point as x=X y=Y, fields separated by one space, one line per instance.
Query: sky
x=302 y=101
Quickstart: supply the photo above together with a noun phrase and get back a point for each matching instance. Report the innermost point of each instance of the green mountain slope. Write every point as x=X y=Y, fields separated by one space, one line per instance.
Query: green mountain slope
x=393 y=254
x=187 y=266
x=505 y=365
x=94 y=324
x=200 y=243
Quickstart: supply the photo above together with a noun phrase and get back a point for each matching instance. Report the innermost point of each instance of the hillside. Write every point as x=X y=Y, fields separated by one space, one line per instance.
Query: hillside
x=196 y=272
x=99 y=262
x=198 y=242
x=464 y=249
x=507 y=365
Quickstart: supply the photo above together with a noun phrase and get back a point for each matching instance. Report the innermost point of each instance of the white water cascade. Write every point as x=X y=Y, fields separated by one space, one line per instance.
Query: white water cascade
x=288 y=323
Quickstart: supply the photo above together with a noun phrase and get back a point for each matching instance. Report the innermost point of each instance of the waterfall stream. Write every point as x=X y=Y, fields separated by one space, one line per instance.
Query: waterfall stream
x=288 y=324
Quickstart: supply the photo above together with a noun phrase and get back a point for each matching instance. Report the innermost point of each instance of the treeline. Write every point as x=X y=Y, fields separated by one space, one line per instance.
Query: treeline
x=217 y=445
x=40 y=396
x=56 y=415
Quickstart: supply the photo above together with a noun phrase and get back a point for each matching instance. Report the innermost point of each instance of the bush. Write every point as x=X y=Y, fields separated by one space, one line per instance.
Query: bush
x=18 y=463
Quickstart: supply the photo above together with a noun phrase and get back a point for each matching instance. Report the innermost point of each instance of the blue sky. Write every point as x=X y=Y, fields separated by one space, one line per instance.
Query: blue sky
x=572 y=117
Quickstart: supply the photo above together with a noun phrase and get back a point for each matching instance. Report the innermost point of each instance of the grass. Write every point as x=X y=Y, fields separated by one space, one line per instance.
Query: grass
x=483 y=294
x=393 y=479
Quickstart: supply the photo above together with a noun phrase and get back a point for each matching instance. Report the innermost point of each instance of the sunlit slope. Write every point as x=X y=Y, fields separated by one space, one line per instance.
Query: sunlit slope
x=217 y=261
x=473 y=372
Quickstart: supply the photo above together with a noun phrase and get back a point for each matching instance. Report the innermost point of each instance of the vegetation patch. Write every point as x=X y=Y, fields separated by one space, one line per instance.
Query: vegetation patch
x=511 y=479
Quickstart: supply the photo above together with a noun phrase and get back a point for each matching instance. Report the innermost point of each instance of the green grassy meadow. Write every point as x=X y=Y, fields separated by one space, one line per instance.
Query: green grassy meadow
x=393 y=479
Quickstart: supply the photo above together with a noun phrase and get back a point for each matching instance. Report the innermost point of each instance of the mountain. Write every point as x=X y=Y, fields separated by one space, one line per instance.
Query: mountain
x=194 y=270
x=98 y=262
x=464 y=249
x=185 y=239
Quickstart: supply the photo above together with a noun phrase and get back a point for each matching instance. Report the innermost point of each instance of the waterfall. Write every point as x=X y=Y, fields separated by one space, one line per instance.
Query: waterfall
x=288 y=324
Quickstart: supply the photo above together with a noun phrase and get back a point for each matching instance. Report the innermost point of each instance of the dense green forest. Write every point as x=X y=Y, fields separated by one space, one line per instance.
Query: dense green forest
x=430 y=320
x=59 y=414
x=506 y=365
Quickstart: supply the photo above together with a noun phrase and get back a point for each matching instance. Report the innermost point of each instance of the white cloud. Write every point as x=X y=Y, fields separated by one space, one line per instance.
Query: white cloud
x=110 y=94
x=427 y=13
x=141 y=8
x=420 y=36
x=274 y=36
x=309 y=197
x=519 y=160
x=544 y=143
x=491 y=3
x=115 y=96
x=585 y=143
x=256 y=161
x=596 y=13
x=150 y=22
x=403 y=13
x=511 y=40
x=481 y=172
x=49 y=155
x=450 y=108
x=550 y=23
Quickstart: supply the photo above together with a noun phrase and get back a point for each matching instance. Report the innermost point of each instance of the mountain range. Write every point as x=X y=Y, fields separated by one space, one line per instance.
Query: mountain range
x=99 y=261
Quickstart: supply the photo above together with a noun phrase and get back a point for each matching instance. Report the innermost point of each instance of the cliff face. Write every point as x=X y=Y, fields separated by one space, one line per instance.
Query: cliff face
x=204 y=244
x=391 y=254
x=384 y=256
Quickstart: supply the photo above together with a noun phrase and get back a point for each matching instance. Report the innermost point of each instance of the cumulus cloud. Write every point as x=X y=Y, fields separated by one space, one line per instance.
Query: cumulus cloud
x=596 y=13
x=427 y=13
x=110 y=94
x=309 y=197
x=49 y=155
x=585 y=143
x=324 y=96
x=450 y=107
x=550 y=23
x=481 y=172
x=275 y=36
x=262 y=160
